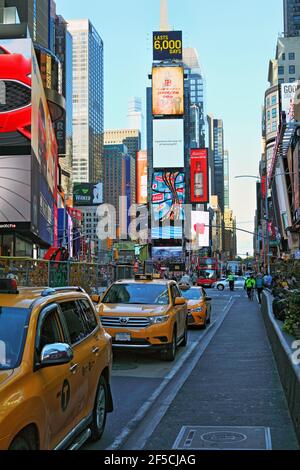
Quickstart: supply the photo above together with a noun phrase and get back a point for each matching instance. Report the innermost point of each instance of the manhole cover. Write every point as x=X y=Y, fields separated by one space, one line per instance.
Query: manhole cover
x=223 y=438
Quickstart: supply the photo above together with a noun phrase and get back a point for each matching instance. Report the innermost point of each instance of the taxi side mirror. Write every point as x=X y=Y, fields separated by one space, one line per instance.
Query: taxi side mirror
x=208 y=299
x=96 y=299
x=179 y=301
x=56 y=354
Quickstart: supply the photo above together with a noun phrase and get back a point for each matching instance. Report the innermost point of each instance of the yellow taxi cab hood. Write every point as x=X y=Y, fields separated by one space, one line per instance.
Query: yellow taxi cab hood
x=194 y=303
x=139 y=310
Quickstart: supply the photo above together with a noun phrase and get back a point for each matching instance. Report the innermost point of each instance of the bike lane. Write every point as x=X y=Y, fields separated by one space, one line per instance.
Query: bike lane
x=233 y=399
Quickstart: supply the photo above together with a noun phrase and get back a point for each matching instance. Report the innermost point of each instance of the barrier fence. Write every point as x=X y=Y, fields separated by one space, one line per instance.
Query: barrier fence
x=40 y=273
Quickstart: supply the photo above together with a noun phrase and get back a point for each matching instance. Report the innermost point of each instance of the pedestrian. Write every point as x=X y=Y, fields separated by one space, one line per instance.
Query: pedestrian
x=250 y=286
x=268 y=281
x=259 y=286
x=231 y=281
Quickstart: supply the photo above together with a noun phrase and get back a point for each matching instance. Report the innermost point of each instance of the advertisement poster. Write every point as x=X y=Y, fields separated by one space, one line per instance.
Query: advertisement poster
x=288 y=94
x=168 y=91
x=168 y=196
x=174 y=253
x=141 y=177
x=15 y=96
x=199 y=229
x=167 y=45
x=87 y=194
x=199 y=176
x=168 y=143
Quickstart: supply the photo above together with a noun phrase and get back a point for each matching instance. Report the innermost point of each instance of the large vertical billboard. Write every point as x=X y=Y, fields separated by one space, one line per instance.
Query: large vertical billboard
x=168 y=91
x=288 y=94
x=141 y=177
x=167 y=45
x=26 y=133
x=199 y=229
x=199 y=176
x=168 y=196
x=168 y=143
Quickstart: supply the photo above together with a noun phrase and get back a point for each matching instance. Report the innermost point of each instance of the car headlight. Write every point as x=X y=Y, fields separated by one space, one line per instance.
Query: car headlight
x=198 y=310
x=159 y=320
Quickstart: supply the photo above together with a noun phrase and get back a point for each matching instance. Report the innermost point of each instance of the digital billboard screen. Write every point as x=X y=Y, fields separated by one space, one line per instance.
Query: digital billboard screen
x=168 y=196
x=199 y=229
x=199 y=176
x=167 y=45
x=87 y=194
x=168 y=143
x=167 y=253
x=168 y=91
x=167 y=233
x=141 y=177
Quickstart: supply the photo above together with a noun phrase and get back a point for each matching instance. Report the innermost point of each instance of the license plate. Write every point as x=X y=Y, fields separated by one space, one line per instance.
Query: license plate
x=123 y=337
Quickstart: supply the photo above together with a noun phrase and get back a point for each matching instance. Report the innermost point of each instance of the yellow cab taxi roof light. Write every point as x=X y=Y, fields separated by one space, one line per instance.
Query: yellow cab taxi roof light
x=8 y=286
x=143 y=277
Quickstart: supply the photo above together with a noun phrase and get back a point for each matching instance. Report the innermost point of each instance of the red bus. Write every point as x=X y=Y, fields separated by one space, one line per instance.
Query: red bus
x=209 y=271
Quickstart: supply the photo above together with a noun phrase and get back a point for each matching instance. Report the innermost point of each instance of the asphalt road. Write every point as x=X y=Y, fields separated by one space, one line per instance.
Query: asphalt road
x=139 y=377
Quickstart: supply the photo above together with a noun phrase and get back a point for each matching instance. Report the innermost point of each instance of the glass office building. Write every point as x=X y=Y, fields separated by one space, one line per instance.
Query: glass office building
x=218 y=135
x=291 y=12
x=88 y=101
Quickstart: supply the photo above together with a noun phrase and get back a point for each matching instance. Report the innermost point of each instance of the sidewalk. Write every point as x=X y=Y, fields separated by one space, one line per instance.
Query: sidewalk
x=235 y=384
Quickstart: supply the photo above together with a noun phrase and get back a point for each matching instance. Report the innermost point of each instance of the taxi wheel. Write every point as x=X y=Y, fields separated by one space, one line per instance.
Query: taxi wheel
x=170 y=353
x=24 y=441
x=185 y=338
x=100 y=410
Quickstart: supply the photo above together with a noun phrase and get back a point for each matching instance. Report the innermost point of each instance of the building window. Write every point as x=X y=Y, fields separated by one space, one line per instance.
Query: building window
x=292 y=56
x=281 y=70
x=292 y=79
x=281 y=80
x=283 y=56
x=274 y=101
x=274 y=113
x=292 y=69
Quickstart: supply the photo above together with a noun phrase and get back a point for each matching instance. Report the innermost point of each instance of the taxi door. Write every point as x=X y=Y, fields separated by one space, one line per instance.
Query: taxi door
x=55 y=383
x=181 y=312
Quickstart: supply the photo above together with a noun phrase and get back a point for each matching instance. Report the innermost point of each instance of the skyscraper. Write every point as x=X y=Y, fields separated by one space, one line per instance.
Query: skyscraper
x=135 y=115
x=226 y=179
x=291 y=13
x=218 y=135
x=88 y=105
x=196 y=91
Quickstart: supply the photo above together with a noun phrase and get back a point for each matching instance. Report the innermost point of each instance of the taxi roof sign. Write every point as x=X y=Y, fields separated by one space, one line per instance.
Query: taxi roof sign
x=8 y=286
x=143 y=277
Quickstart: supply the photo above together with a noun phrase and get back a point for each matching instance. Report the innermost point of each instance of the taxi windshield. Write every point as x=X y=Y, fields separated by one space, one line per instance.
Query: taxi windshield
x=192 y=294
x=153 y=294
x=13 y=329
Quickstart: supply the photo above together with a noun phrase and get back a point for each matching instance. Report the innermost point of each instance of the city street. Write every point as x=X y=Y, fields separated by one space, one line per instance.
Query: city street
x=153 y=399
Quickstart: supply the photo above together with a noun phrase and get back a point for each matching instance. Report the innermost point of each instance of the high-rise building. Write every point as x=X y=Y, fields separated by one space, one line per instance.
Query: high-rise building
x=195 y=82
x=291 y=13
x=218 y=161
x=135 y=115
x=226 y=179
x=88 y=104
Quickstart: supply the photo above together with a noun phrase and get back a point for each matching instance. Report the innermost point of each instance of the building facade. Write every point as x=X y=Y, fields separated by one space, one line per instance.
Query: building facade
x=88 y=104
x=291 y=13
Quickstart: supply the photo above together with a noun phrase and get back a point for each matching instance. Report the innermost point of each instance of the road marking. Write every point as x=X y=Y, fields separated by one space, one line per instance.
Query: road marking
x=153 y=399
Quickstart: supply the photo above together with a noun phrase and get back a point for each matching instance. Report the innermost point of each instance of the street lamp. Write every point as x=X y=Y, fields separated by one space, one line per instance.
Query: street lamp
x=267 y=238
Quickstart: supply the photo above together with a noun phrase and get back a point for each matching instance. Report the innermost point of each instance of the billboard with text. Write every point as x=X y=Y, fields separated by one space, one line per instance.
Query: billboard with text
x=168 y=143
x=199 y=176
x=168 y=91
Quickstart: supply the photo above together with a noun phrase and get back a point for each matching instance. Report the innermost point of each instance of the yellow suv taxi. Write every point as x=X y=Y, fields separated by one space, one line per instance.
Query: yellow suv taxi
x=199 y=306
x=145 y=313
x=55 y=367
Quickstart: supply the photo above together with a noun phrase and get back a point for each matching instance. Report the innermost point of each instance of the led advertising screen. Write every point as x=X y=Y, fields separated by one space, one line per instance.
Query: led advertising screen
x=167 y=233
x=167 y=45
x=199 y=229
x=167 y=253
x=87 y=194
x=168 y=91
x=168 y=196
x=141 y=177
x=199 y=176
x=168 y=143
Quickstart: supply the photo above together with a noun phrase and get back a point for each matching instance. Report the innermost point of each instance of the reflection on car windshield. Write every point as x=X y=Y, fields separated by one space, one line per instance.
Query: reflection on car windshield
x=153 y=294
x=13 y=328
x=192 y=294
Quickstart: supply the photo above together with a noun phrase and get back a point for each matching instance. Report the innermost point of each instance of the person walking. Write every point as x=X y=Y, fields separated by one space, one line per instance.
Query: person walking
x=268 y=281
x=231 y=281
x=250 y=286
x=259 y=286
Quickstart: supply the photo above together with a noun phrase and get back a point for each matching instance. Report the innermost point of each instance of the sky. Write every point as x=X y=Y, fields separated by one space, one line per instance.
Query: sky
x=235 y=41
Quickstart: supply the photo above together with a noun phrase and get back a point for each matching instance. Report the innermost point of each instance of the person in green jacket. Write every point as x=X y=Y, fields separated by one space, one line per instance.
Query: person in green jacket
x=250 y=285
x=231 y=281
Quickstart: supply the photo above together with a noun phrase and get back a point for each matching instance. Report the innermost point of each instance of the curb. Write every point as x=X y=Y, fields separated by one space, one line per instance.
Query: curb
x=288 y=371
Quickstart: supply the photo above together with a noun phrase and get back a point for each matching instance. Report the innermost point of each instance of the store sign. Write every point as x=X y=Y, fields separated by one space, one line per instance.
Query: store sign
x=168 y=91
x=167 y=45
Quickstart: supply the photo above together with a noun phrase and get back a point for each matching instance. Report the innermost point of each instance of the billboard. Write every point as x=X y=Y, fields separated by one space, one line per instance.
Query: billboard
x=167 y=253
x=168 y=143
x=199 y=229
x=168 y=196
x=199 y=176
x=167 y=45
x=288 y=94
x=87 y=194
x=141 y=177
x=167 y=233
x=168 y=91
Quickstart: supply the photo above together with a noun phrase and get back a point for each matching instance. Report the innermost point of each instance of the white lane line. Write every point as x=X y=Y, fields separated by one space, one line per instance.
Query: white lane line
x=140 y=415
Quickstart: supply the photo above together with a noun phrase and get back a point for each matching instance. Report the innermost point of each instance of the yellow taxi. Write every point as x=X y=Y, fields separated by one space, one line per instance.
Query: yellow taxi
x=199 y=306
x=55 y=368
x=145 y=313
